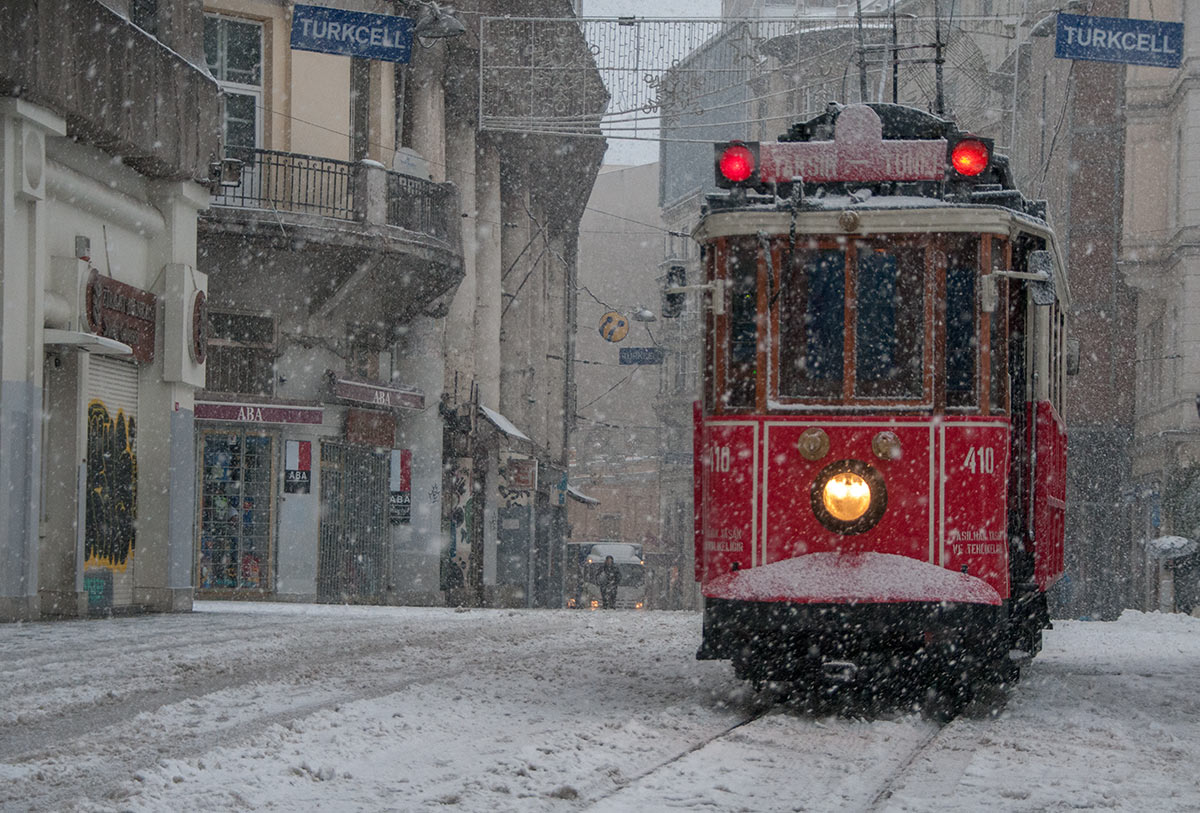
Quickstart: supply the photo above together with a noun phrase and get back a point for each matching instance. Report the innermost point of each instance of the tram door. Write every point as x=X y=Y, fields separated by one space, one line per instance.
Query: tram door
x=353 y=560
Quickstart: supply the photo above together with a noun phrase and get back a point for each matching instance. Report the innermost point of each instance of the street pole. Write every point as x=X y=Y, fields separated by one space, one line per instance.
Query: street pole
x=940 y=101
x=862 y=57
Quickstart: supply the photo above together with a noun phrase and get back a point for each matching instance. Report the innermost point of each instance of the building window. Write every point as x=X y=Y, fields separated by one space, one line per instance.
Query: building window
x=144 y=14
x=241 y=353
x=233 y=49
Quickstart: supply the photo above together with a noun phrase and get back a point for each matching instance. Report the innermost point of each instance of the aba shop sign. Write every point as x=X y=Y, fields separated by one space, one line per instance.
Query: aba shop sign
x=352 y=33
x=1117 y=39
x=122 y=312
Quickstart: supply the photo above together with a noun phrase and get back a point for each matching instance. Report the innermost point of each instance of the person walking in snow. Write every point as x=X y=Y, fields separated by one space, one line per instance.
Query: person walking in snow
x=608 y=578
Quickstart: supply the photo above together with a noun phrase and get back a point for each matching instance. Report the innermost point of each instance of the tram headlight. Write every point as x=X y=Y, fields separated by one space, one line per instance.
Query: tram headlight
x=847 y=496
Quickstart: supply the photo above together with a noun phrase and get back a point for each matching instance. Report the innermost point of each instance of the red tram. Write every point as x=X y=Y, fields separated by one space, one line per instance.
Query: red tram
x=880 y=446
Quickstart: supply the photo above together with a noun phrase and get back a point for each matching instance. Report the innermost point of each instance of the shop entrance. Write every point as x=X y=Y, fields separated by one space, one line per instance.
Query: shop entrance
x=236 y=499
x=355 y=535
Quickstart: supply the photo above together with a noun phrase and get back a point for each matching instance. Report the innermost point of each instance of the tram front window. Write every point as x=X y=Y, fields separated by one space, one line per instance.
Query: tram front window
x=890 y=337
x=888 y=312
x=812 y=325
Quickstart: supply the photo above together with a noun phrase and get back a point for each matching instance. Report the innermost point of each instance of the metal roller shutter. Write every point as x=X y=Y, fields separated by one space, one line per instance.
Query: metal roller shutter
x=111 y=490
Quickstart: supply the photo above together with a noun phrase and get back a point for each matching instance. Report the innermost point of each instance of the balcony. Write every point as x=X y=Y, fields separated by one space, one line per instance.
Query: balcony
x=119 y=88
x=364 y=243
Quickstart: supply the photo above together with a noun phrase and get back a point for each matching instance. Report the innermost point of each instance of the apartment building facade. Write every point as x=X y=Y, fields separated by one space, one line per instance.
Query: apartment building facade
x=383 y=417
x=108 y=137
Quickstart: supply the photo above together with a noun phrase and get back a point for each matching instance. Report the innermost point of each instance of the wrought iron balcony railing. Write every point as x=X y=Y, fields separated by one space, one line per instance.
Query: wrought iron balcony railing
x=325 y=187
x=290 y=182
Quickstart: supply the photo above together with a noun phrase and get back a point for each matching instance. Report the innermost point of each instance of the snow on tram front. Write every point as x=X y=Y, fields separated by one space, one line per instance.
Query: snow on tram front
x=880 y=446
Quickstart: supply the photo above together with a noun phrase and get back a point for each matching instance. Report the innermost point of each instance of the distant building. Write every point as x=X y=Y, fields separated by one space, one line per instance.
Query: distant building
x=1160 y=260
x=626 y=448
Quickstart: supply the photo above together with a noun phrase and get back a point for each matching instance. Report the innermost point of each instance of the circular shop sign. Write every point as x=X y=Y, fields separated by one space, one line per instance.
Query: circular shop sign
x=613 y=326
x=199 y=344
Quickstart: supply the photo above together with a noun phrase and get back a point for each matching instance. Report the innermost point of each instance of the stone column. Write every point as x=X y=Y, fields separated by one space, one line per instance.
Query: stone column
x=24 y=129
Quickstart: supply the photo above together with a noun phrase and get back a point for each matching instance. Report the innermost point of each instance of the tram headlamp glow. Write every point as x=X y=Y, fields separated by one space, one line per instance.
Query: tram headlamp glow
x=846 y=496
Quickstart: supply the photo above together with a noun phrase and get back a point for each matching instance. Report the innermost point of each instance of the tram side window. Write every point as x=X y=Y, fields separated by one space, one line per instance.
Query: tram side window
x=998 y=388
x=890 y=330
x=962 y=341
x=812 y=325
x=743 y=326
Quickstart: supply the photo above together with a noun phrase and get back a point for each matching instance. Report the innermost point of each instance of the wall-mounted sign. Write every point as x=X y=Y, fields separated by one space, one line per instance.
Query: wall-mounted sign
x=1118 y=39
x=352 y=33
x=641 y=355
x=297 y=466
x=370 y=427
x=377 y=395
x=122 y=312
x=400 y=488
x=257 y=413
x=199 y=344
x=521 y=473
x=613 y=326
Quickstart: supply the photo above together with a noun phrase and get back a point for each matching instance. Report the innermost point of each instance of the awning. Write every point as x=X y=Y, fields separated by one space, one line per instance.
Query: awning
x=576 y=494
x=503 y=424
x=100 y=345
x=1170 y=547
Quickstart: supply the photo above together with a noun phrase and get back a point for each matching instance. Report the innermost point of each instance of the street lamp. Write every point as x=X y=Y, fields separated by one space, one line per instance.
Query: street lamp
x=437 y=23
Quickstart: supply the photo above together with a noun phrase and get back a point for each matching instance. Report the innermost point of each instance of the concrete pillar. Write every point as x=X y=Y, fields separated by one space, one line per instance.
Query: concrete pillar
x=460 y=323
x=417 y=545
x=429 y=108
x=24 y=129
x=491 y=262
x=166 y=434
x=520 y=253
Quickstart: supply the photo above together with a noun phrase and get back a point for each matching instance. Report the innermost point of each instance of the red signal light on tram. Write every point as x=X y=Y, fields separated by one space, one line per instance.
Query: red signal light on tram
x=736 y=164
x=970 y=157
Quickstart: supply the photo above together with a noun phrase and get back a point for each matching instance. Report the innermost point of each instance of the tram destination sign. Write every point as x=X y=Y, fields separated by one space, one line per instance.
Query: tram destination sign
x=1118 y=39
x=857 y=153
x=352 y=33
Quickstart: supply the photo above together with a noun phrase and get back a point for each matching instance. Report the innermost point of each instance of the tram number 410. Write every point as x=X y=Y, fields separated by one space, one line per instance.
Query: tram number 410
x=980 y=460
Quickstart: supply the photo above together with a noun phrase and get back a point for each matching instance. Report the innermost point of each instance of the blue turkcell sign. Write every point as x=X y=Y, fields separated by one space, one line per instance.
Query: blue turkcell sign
x=352 y=33
x=1117 y=39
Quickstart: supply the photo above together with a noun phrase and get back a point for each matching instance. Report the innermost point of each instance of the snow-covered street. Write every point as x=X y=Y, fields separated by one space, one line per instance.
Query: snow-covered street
x=243 y=706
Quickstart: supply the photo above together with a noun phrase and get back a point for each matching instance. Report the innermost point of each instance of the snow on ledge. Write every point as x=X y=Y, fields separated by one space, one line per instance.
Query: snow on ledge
x=868 y=578
x=503 y=424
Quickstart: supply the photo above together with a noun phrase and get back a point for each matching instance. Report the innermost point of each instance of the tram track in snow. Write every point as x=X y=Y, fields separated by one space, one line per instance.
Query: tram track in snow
x=879 y=802
x=857 y=764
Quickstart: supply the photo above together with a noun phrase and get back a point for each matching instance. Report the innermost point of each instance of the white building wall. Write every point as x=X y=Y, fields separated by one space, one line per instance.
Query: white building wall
x=142 y=234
